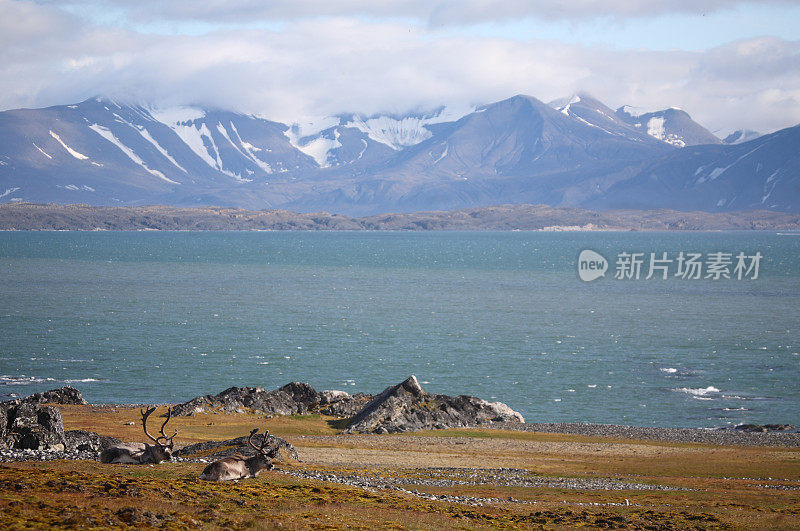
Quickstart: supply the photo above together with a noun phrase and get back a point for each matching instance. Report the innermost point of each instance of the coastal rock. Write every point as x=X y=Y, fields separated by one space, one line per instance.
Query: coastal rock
x=292 y=399
x=31 y=426
x=88 y=441
x=63 y=395
x=407 y=407
x=5 y=407
x=239 y=445
x=341 y=404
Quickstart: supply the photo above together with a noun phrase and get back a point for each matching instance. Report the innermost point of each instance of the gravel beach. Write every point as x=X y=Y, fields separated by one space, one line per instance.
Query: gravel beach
x=724 y=437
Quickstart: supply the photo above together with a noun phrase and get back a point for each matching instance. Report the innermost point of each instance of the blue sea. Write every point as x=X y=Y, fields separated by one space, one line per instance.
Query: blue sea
x=155 y=317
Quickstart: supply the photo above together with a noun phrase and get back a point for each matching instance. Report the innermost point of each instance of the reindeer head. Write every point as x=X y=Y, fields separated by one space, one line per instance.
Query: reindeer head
x=162 y=450
x=264 y=455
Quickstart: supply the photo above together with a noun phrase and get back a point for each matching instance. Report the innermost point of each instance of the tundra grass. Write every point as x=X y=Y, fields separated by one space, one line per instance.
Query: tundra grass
x=723 y=487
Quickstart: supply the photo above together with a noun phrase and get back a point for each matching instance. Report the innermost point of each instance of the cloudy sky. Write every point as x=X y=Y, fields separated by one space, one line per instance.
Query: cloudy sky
x=730 y=64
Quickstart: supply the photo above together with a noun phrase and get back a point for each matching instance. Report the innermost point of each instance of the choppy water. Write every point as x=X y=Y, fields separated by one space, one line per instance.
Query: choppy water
x=162 y=317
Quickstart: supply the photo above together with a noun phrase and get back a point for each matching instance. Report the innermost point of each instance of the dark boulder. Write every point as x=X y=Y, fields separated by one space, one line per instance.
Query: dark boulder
x=88 y=441
x=31 y=426
x=63 y=395
x=239 y=445
x=407 y=407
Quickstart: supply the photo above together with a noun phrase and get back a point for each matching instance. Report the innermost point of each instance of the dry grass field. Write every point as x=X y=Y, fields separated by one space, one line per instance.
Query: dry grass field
x=461 y=479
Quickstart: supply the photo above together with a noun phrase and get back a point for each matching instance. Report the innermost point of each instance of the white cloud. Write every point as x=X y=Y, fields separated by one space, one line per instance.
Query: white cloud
x=435 y=12
x=332 y=65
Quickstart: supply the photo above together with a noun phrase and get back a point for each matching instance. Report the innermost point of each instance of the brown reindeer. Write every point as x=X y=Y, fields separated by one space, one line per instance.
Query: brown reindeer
x=143 y=453
x=239 y=467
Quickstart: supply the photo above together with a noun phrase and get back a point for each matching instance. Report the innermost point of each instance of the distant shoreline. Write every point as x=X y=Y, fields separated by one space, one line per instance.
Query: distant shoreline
x=534 y=218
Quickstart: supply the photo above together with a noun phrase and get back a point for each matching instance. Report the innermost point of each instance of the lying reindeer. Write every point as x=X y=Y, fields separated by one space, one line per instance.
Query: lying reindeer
x=143 y=453
x=239 y=467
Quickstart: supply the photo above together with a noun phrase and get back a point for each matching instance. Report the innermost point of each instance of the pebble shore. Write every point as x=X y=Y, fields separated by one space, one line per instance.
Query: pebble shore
x=726 y=437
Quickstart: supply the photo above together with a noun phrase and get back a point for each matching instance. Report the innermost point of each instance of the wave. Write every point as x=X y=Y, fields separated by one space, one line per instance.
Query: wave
x=29 y=380
x=702 y=393
x=23 y=380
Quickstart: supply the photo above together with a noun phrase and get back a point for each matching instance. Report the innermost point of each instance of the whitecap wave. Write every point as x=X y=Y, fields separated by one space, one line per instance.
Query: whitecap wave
x=29 y=380
x=668 y=370
x=23 y=380
x=700 y=392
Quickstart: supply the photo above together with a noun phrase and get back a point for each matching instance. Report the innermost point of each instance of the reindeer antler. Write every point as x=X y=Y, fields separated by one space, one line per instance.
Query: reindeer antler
x=145 y=415
x=167 y=440
x=264 y=442
x=164 y=435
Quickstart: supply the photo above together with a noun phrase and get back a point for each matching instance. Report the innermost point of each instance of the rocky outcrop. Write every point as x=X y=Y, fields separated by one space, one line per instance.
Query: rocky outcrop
x=292 y=399
x=63 y=395
x=31 y=426
x=88 y=441
x=28 y=424
x=239 y=445
x=402 y=407
x=341 y=404
x=407 y=407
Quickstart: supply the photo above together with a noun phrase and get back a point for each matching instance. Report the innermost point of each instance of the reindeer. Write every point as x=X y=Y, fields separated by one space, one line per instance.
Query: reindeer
x=239 y=467
x=143 y=453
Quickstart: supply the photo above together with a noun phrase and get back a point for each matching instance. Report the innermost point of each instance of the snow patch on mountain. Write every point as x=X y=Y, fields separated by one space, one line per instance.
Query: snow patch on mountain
x=42 y=151
x=563 y=104
x=9 y=191
x=319 y=148
x=108 y=135
x=771 y=183
x=409 y=130
x=79 y=156
x=364 y=149
x=146 y=135
x=443 y=154
x=193 y=136
x=655 y=127
x=251 y=151
x=184 y=121
x=395 y=133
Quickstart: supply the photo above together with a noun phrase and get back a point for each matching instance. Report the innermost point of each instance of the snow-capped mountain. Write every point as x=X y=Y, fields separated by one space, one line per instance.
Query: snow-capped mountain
x=575 y=152
x=104 y=152
x=593 y=112
x=515 y=150
x=359 y=140
x=672 y=125
x=740 y=136
x=761 y=174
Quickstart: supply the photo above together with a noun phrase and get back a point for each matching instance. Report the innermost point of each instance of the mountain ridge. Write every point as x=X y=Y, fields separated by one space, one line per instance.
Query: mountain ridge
x=573 y=152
